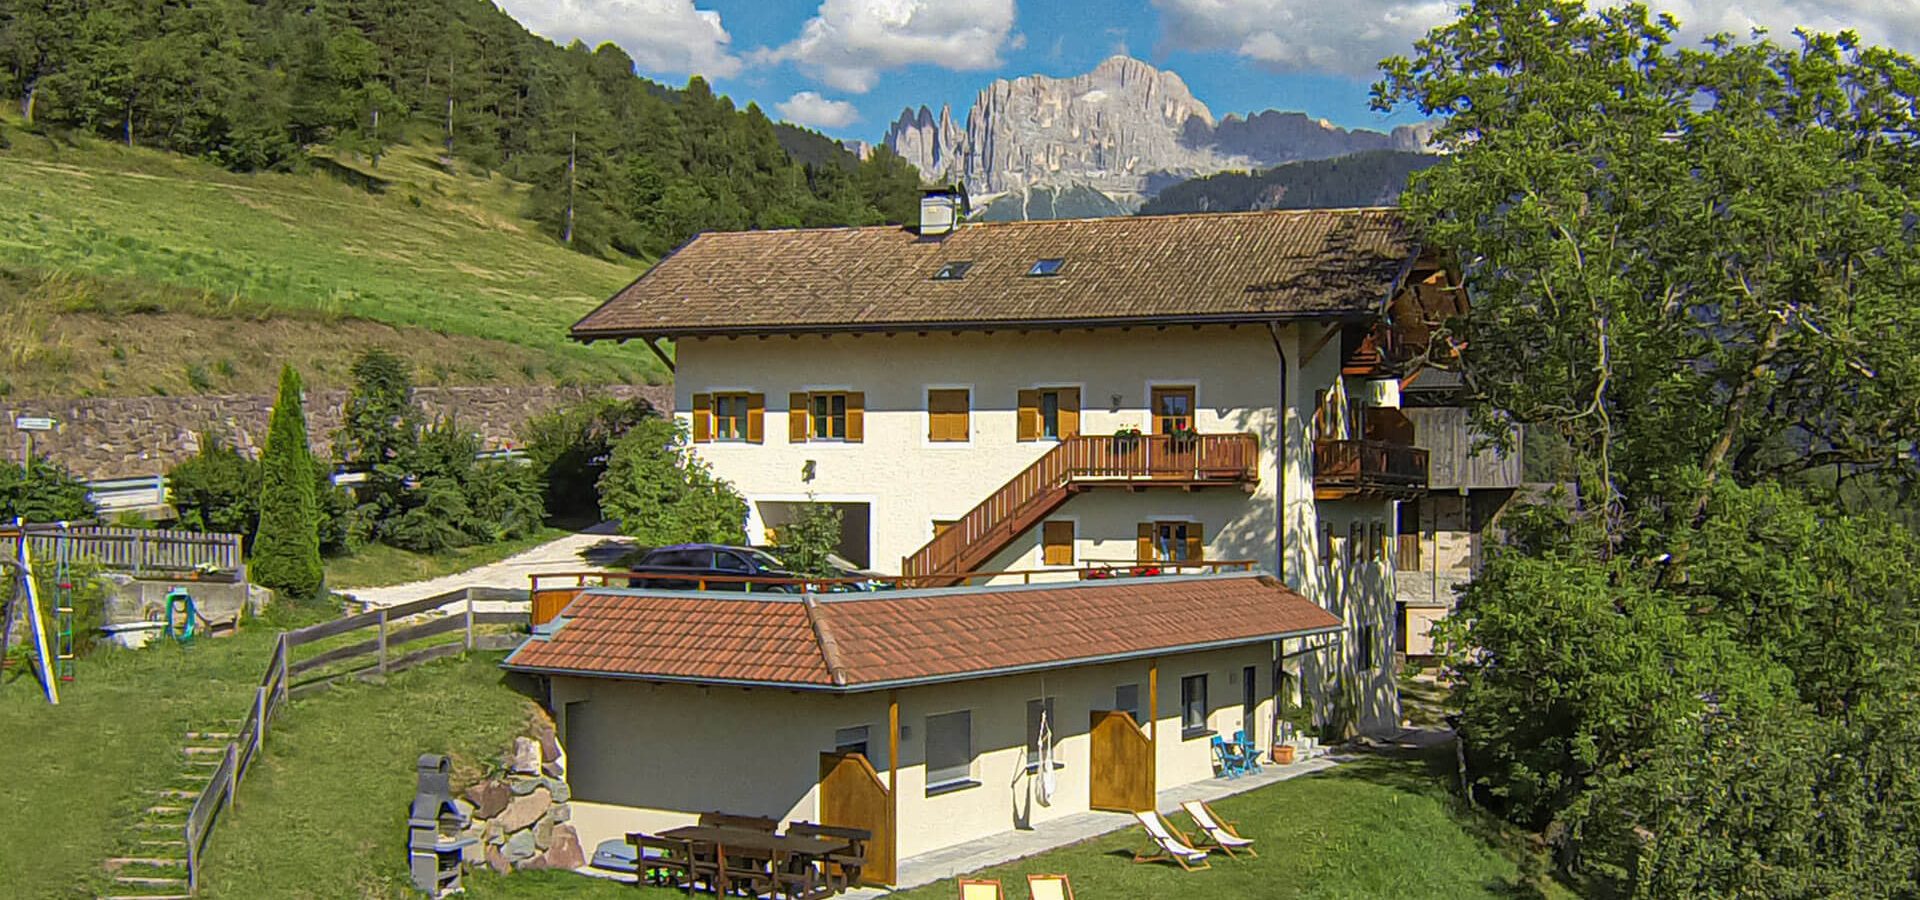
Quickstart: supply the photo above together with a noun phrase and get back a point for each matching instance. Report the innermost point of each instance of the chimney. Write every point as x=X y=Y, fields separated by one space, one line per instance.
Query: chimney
x=941 y=209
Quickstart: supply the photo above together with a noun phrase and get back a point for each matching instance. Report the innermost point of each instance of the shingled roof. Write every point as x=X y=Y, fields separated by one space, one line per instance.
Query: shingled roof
x=863 y=642
x=1204 y=267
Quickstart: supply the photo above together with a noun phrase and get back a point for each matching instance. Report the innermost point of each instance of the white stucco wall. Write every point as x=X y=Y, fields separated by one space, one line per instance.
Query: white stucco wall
x=645 y=757
x=909 y=481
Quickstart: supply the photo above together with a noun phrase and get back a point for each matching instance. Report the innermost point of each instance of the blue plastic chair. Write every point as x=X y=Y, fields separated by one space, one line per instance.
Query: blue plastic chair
x=1249 y=755
x=1233 y=763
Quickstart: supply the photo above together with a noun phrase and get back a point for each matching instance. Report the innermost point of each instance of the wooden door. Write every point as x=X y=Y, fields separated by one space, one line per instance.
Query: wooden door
x=1120 y=769
x=853 y=796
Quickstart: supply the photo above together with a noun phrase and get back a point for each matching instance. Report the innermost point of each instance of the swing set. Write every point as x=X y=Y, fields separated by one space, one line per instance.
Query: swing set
x=55 y=664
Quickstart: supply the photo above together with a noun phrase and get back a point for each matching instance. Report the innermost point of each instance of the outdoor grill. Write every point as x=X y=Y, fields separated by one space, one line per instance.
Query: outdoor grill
x=433 y=828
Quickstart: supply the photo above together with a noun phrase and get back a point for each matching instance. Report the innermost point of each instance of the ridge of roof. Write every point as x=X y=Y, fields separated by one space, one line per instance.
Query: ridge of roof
x=1075 y=220
x=829 y=648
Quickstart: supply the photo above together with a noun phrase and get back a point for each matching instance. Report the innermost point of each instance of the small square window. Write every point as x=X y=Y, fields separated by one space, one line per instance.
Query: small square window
x=730 y=417
x=850 y=740
x=953 y=271
x=1045 y=267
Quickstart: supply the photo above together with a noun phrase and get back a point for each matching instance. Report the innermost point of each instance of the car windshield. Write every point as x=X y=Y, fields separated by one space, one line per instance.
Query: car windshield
x=764 y=559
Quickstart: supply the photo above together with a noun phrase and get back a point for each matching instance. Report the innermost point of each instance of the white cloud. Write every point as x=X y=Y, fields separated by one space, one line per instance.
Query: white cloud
x=1300 y=35
x=848 y=43
x=668 y=36
x=814 y=111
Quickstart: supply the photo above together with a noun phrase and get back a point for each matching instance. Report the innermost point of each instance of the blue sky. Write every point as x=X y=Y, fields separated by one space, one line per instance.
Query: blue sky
x=847 y=67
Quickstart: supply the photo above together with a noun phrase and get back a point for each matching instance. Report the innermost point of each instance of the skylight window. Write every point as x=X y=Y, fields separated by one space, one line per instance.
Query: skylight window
x=953 y=271
x=1045 y=267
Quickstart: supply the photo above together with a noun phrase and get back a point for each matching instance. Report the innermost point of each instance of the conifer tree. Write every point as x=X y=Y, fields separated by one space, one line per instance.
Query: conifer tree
x=286 y=551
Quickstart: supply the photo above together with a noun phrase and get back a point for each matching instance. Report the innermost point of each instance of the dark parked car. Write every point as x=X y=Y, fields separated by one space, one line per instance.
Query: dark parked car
x=697 y=561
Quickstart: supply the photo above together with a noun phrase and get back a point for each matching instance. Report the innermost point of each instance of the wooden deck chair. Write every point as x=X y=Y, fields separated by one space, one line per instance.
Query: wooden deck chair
x=1174 y=846
x=1049 y=887
x=1219 y=831
x=980 y=889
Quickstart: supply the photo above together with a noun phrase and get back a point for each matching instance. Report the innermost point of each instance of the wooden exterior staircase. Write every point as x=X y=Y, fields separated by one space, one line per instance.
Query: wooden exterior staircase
x=1076 y=464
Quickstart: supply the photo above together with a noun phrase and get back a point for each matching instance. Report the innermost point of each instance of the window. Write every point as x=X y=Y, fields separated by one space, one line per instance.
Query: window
x=1045 y=267
x=947 y=414
x=728 y=562
x=953 y=271
x=1056 y=543
x=1193 y=706
x=826 y=416
x=1171 y=542
x=1172 y=409
x=1049 y=413
x=940 y=526
x=950 y=752
x=1377 y=541
x=1034 y=709
x=1127 y=697
x=851 y=740
x=1408 y=558
x=1249 y=703
x=734 y=416
x=1368 y=635
x=1326 y=545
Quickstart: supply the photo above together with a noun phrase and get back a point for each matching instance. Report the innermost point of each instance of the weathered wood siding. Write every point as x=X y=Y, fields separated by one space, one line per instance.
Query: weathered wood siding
x=1452 y=462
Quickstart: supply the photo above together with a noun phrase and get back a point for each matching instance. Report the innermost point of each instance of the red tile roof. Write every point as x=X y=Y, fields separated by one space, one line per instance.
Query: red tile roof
x=854 y=643
x=1203 y=267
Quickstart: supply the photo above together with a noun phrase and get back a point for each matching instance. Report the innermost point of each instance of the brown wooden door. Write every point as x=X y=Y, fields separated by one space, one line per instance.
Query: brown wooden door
x=853 y=796
x=1121 y=763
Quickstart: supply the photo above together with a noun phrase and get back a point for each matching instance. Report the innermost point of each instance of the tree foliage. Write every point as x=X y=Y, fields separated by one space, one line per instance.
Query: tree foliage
x=616 y=162
x=216 y=489
x=568 y=448
x=807 y=539
x=286 y=549
x=1688 y=268
x=661 y=493
x=42 y=492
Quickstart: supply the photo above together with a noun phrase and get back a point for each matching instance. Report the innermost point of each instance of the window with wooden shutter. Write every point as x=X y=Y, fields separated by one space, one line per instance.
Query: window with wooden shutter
x=1356 y=543
x=1056 y=540
x=1196 y=543
x=947 y=414
x=731 y=417
x=756 y=418
x=1143 y=544
x=1069 y=413
x=856 y=416
x=1172 y=542
x=702 y=418
x=1326 y=544
x=1028 y=426
x=797 y=423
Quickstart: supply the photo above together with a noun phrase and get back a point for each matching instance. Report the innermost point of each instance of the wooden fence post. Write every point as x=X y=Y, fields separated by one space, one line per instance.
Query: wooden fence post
x=382 y=640
x=233 y=762
x=283 y=668
x=193 y=857
x=260 y=719
x=469 y=619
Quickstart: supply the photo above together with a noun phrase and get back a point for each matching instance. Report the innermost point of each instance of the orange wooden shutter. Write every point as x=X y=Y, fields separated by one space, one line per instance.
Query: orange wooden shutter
x=1029 y=424
x=856 y=417
x=1056 y=539
x=1143 y=546
x=702 y=418
x=947 y=414
x=1069 y=412
x=797 y=418
x=756 y=418
x=1196 y=545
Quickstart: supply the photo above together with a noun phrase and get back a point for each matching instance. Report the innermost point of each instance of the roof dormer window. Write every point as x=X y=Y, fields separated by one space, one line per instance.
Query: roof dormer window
x=953 y=271
x=1046 y=267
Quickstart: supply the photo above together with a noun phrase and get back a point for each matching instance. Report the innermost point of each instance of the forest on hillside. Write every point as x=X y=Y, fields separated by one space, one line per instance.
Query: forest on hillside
x=1373 y=178
x=617 y=163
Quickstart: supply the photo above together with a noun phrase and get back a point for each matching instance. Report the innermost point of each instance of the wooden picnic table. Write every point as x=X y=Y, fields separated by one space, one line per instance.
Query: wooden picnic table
x=802 y=851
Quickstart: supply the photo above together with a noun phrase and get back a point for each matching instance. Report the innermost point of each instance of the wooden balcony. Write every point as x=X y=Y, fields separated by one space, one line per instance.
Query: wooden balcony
x=1081 y=463
x=1383 y=469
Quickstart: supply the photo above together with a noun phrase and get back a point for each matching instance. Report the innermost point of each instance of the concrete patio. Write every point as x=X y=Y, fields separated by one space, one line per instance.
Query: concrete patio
x=1008 y=846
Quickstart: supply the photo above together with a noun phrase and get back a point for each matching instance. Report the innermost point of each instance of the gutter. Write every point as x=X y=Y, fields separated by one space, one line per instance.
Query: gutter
x=589 y=335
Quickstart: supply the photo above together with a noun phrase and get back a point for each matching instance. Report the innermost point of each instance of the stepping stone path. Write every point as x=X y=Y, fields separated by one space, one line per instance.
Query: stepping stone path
x=152 y=862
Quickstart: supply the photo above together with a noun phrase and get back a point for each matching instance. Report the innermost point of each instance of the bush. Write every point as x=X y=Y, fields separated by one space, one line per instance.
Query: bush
x=569 y=448
x=286 y=549
x=660 y=493
x=806 y=541
x=458 y=500
x=43 y=492
x=217 y=489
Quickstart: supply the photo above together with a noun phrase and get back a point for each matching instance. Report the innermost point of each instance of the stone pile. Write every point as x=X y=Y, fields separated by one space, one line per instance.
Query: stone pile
x=520 y=817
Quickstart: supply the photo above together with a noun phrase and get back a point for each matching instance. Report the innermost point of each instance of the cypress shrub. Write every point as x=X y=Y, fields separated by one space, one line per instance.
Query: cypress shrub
x=286 y=551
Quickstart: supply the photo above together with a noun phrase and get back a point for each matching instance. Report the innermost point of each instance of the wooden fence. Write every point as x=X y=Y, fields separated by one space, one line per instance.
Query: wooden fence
x=277 y=686
x=131 y=549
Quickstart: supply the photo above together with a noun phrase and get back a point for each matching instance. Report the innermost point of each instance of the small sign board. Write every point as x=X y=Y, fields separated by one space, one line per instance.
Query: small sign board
x=345 y=478
x=33 y=423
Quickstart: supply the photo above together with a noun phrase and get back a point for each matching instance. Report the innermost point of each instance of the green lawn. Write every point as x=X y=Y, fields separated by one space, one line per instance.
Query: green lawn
x=438 y=250
x=377 y=565
x=1379 y=827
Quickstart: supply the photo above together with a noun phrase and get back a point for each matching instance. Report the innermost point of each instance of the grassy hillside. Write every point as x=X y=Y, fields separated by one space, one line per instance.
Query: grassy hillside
x=128 y=271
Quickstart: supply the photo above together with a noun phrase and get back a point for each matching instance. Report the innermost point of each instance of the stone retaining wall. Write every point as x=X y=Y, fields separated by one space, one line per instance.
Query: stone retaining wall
x=130 y=437
x=519 y=820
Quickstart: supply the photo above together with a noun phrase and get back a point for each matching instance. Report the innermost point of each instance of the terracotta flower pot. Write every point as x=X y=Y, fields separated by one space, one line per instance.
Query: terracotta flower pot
x=1282 y=754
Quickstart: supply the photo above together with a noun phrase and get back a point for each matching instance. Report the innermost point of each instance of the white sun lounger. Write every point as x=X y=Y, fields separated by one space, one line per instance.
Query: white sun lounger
x=1174 y=846
x=1218 y=830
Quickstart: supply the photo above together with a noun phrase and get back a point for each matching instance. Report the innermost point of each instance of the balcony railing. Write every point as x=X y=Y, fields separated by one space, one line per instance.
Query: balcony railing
x=1348 y=467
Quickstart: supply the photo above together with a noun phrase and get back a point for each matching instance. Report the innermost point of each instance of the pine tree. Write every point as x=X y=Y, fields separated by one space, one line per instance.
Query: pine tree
x=286 y=551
